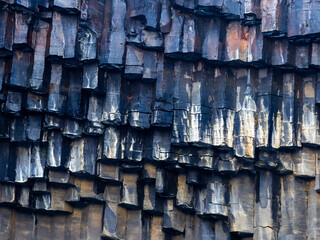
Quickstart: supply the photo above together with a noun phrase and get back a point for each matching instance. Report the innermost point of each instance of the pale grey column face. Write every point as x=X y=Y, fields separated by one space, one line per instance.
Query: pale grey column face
x=159 y=119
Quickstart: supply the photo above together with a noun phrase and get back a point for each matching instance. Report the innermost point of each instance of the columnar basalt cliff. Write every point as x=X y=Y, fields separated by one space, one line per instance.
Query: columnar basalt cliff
x=160 y=119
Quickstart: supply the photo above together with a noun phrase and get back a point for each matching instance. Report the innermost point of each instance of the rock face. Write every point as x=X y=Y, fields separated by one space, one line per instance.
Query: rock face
x=160 y=119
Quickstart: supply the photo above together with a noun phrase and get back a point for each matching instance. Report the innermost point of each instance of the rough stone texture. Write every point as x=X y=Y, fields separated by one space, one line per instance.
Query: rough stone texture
x=159 y=119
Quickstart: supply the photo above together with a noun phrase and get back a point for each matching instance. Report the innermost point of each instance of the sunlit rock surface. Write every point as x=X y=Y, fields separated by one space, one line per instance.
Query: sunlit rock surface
x=159 y=119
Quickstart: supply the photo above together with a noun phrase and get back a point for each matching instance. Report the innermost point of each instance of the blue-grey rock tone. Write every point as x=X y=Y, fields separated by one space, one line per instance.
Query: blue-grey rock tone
x=160 y=119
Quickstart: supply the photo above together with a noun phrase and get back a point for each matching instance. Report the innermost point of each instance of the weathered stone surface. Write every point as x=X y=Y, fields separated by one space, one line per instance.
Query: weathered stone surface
x=173 y=219
x=159 y=119
x=241 y=204
x=273 y=14
x=63 y=35
x=267 y=207
x=244 y=126
x=6 y=31
x=113 y=36
x=294 y=207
